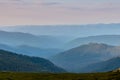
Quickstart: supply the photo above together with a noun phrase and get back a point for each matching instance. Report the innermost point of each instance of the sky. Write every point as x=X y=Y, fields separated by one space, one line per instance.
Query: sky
x=54 y=12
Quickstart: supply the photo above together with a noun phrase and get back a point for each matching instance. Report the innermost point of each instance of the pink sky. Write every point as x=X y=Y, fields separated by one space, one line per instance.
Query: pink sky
x=45 y=12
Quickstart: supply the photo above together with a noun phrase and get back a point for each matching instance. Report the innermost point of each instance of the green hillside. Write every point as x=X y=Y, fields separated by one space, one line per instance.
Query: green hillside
x=21 y=63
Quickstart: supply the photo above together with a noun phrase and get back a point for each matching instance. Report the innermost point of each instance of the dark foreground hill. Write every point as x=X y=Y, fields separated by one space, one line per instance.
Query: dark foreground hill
x=65 y=76
x=20 y=63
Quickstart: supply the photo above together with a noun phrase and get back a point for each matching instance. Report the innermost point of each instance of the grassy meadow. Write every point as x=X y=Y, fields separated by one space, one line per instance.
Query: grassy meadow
x=61 y=76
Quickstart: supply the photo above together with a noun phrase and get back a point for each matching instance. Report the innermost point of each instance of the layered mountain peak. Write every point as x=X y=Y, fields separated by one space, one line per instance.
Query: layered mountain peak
x=95 y=46
x=107 y=39
x=89 y=48
x=98 y=44
x=76 y=58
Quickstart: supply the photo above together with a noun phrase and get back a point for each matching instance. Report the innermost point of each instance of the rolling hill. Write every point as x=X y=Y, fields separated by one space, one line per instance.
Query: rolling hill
x=104 y=66
x=21 y=63
x=31 y=51
x=18 y=38
x=34 y=51
x=79 y=57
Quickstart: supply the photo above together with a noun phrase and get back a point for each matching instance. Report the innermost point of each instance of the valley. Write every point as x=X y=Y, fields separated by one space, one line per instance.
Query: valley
x=59 y=39
x=70 y=55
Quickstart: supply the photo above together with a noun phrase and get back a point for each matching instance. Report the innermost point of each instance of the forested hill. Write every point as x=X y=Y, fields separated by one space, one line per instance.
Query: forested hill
x=21 y=63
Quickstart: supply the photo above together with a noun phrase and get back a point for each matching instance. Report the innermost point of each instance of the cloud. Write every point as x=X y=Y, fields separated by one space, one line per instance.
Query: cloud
x=26 y=3
x=51 y=3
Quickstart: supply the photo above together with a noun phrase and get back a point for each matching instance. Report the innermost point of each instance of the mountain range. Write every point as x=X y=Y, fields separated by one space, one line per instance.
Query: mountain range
x=106 y=39
x=76 y=58
x=92 y=57
x=28 y=44
x=18 y=38
x=103 y=66
x=67 y=30
x=31 y=51
x=74 y=48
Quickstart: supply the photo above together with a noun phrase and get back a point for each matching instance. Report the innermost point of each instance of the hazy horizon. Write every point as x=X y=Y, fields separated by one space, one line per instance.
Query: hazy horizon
x=67 y=30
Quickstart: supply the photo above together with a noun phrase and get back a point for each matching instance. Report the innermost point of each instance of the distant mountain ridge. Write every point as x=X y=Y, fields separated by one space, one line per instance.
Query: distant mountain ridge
x=21 y=63
x=79 y=57
x=18 y=38
x=34 y=51
x=31 y=51
x=106 y=39
x=67 y=30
